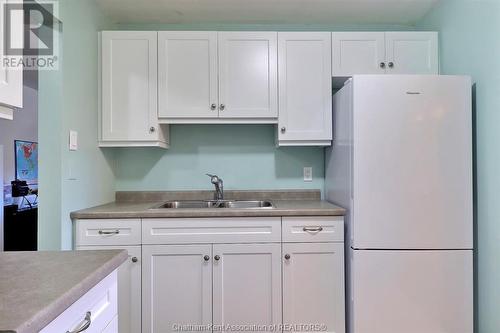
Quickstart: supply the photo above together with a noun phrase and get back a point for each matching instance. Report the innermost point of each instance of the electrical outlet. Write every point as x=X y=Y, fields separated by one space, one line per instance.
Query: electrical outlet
x=73 y=140
x=308 y=174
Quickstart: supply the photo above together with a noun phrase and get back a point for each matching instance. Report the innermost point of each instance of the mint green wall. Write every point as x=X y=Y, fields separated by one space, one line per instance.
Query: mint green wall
x=265 y=27
x=470 y=45
x=68 y=100
x=244 y=156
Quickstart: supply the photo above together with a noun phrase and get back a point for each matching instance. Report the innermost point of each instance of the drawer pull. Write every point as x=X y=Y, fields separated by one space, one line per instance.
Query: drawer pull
x=312 y=229
x=114 y=232
x=84 y=324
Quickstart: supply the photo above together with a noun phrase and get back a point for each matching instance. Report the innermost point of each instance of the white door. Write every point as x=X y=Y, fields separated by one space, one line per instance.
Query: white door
x=305 y=86
x=358 y=53
x=412 y=52
x=177 y=287
x=187 y=82
x=412 y=180
x=129 y=288
x=247 y=284
x=129 y=86
x=412 y=292
x=11 y=79
x=313 y=285
x=248 y=75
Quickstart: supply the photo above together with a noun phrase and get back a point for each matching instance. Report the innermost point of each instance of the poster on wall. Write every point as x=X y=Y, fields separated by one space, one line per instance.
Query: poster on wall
x=26 y=155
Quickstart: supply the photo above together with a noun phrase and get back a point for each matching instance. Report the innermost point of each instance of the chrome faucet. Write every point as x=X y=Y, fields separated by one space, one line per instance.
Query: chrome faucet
x=219 y=186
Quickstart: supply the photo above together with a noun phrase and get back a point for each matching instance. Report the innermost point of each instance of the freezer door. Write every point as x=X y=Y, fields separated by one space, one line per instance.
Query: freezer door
x=412 y=178
x=412 y=292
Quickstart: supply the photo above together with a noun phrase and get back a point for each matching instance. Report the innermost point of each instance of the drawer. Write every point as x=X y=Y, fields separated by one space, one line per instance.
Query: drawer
x=108 y=232
x=313 y=229
x=99 y=302
x=211 y=230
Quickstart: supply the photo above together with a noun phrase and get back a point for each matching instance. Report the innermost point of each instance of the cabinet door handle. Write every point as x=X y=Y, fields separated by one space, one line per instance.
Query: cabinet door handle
x=134 y=259
x=213 y=106
x=114 y=232
x=391 y=64
x=222 y=107
x=283 y=129
x=287 y=256
x=312 y=229
x=152 y=129
x=382 y=65
x=206 y=258
x=217 y=257
x=84 y=324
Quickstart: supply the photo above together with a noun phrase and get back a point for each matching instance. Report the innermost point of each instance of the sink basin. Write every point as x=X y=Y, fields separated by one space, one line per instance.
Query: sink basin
x=236 y=204
x=245 y=204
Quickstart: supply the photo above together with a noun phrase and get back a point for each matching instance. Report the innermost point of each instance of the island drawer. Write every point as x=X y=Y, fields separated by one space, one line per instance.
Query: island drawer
x=97 y=309
x=108 y=232
x=313 y=229
x=211 y=230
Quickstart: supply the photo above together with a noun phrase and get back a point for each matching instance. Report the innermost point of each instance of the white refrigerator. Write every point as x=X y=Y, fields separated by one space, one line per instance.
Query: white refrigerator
x=401 y=163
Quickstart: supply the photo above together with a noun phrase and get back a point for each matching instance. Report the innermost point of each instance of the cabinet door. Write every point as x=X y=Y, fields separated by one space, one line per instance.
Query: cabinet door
x=412 y=52
x=11 y=79
x=129 y=86
x=187 y=81
x=305 y=87
x=358 y=53
x=177 y=287
x=247 y=284
x=129 y=288
x=248 y=75
x=313 y=285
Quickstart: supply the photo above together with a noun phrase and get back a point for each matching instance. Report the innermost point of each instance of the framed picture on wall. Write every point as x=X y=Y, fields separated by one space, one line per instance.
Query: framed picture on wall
x=26 y=159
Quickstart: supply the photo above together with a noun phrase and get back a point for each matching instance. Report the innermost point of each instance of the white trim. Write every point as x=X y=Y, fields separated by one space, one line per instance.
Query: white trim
x=158 y=144
x=6 y=113
x=218 y=121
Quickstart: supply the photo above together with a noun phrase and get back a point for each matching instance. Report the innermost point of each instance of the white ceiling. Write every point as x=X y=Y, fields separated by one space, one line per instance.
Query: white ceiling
x=321 y=12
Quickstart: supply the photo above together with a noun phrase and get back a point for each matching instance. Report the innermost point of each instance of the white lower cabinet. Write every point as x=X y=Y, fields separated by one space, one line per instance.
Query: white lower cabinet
x=94 y=312
x=247 y=285
x=129 y=287
x=234 y=273
x=177 y=287
x=313 y=286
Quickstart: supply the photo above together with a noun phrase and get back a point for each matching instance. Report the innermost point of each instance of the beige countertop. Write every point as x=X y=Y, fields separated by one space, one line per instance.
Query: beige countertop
x=116 y=210
x=36 y=287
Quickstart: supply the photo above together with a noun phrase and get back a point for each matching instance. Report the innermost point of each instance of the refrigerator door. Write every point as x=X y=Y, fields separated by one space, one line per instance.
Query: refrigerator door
x=412 y=162
x=412 y=292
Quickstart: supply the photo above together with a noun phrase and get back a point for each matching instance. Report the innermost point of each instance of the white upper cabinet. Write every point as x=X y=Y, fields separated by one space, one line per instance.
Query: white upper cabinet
x=305 y=88
x=11 y=79
x=248 y=75
x=358 y=53
x=187 y=77
x=129 y=115
x=385 y=53
x=412 y=52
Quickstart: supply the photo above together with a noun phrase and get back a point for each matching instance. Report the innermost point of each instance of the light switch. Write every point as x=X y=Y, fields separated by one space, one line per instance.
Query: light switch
x=308 y=174
x=73 y=140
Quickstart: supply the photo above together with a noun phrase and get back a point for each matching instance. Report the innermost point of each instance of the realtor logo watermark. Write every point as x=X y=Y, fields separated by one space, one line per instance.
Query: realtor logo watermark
x=30 y=35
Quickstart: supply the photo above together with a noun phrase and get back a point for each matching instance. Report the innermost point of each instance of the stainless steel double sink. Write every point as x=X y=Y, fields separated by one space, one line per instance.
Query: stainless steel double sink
x=199 y=204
